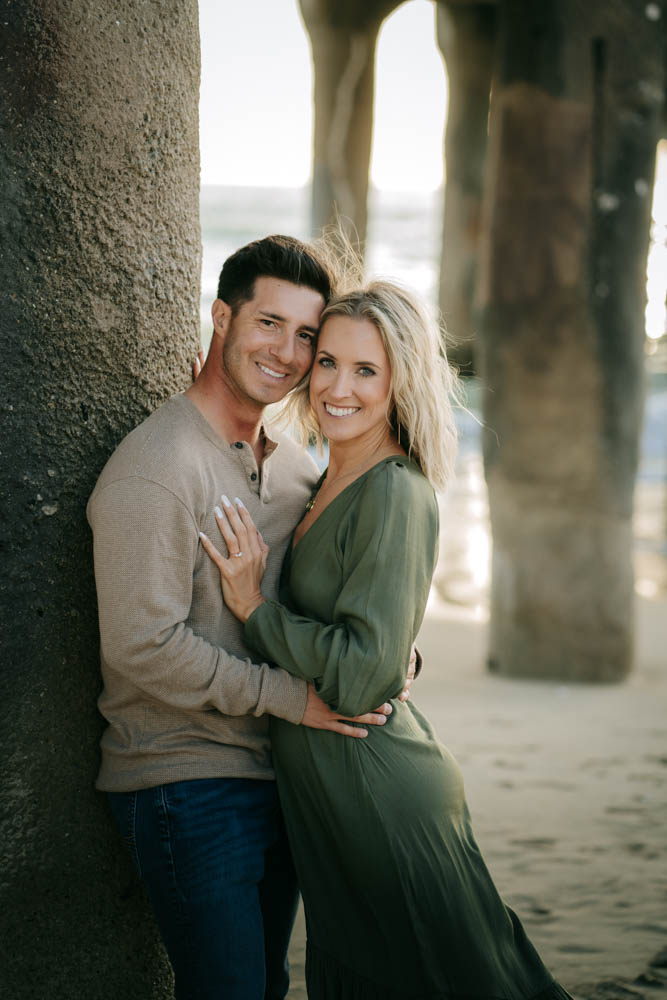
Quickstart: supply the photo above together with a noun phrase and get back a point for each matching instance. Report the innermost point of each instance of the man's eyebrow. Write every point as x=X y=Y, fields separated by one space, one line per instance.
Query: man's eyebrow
x=281 y=319
x=269 y=315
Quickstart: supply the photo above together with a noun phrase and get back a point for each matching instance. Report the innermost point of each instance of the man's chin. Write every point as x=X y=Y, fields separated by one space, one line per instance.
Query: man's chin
x=274 y=393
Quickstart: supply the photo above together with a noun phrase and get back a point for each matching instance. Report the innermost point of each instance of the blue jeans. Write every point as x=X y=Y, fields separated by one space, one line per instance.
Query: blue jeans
x=215 y=860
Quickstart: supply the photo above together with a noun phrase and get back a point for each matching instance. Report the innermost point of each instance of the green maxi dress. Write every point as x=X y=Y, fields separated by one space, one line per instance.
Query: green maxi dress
x=398 y=901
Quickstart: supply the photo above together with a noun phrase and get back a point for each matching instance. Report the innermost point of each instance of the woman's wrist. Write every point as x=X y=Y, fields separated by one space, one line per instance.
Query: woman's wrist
x=248 y=608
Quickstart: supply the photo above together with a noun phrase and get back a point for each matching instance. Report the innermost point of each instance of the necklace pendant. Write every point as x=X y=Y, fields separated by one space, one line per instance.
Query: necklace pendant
x=310 y=504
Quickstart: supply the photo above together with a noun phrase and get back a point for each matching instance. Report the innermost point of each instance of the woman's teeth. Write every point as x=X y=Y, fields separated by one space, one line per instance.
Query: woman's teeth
x=340 y=411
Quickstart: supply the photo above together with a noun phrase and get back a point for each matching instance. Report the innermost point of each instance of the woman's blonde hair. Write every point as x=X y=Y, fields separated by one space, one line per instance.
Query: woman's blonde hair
x=423 y=386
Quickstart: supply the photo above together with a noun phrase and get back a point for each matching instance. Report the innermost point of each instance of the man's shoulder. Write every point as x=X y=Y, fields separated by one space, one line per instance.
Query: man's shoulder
x=162 y=448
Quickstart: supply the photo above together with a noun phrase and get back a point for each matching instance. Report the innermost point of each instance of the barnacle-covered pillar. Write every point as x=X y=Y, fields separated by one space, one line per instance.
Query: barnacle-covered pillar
x=343 y=37
x=466 y=37
x=99 y=316
x=575 y=116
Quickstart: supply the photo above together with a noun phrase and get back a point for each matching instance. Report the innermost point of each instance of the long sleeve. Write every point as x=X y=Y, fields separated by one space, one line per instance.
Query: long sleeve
x=146 y=549
x=387 y=547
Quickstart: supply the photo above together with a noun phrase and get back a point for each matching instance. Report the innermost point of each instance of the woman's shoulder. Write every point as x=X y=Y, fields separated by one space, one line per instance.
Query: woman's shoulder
x=397 y=487
x=398 y=476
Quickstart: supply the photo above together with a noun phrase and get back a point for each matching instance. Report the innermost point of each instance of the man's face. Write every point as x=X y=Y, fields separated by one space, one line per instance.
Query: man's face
x=268 y=345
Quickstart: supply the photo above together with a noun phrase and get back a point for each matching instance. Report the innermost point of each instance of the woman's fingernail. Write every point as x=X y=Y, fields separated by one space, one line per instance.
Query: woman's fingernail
x=218 y=511
x=387 y=708
x=225 y=500
x=238 y=502
x=202 y=535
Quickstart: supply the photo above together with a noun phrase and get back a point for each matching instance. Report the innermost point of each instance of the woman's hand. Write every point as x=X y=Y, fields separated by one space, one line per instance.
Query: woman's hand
x=412 y=673
x=198 y=364
x=241 y=573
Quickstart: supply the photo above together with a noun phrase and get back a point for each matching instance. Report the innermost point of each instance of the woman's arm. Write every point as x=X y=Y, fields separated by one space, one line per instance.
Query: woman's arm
x=360 y=659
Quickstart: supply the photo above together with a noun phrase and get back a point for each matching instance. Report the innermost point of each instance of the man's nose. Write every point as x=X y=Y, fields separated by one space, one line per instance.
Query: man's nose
x=283 y=350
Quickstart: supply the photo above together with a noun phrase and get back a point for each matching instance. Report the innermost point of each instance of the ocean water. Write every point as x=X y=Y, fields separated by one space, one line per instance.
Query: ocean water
x=404 y=242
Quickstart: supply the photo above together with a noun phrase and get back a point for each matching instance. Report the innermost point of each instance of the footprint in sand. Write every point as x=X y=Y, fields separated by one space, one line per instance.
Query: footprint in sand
x=592 y=762
x=559 y=786
x=649 y=778
x=655 y=759
x=541 y=843
x=578 y=949
x=528 y=904
x=625 y=810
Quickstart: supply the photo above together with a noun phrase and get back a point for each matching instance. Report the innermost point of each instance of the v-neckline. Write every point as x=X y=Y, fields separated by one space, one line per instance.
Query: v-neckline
x=389 y=458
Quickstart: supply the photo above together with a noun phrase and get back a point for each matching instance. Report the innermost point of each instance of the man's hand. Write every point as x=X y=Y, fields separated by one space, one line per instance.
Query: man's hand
x=318 y=715
x=412 y=673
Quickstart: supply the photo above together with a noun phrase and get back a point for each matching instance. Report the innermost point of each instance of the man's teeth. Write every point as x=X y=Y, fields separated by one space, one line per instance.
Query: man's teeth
x=340 y=411
x=270 y=371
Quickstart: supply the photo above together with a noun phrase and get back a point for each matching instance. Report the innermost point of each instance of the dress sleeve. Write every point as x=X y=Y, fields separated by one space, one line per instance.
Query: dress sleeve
x=388 y=547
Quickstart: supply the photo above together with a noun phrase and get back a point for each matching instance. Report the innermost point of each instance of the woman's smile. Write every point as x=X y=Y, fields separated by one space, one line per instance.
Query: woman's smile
x=340 y=411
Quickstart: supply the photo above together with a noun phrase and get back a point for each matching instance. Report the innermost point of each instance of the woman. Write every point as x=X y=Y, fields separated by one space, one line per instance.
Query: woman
x=398 y=901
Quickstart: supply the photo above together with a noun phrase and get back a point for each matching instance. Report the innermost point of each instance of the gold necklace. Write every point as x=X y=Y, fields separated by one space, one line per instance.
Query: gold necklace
x=325 y=485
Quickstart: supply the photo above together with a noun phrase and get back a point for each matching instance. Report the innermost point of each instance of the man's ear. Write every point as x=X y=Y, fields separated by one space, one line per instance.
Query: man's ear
x=221 y=313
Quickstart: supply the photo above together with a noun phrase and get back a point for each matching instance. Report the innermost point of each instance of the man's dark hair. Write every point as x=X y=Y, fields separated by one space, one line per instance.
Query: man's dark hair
x=282 y=257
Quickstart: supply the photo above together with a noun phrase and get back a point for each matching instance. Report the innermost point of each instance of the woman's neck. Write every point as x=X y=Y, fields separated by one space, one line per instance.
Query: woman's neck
x=359 y=454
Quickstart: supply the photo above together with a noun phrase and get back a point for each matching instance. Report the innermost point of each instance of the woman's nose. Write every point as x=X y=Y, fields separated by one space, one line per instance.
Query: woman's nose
x=341 y=386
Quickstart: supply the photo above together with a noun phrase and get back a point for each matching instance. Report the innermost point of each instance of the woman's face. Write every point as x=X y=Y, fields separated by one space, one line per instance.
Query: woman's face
x=350 y=384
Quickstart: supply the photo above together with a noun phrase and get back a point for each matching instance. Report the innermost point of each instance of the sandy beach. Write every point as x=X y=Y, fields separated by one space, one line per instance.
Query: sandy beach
x=567 y=790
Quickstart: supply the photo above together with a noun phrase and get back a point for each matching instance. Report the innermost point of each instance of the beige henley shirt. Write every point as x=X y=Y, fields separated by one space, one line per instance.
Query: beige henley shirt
x=181 y=696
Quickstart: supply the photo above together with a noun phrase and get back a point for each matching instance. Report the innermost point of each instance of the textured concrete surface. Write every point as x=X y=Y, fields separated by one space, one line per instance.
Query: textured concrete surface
x=99 y=295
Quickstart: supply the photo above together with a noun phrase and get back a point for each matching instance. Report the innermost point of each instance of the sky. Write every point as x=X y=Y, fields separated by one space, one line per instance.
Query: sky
x=256 y=115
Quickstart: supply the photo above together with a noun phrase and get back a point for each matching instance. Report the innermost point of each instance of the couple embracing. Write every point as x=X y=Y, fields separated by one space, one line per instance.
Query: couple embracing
x=257 y=625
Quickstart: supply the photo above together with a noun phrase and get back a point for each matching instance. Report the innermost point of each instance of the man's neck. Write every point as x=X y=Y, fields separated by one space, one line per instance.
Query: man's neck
x=232 y=418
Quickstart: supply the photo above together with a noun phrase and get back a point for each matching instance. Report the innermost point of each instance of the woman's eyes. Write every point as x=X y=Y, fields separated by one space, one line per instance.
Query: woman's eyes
x=329 y=363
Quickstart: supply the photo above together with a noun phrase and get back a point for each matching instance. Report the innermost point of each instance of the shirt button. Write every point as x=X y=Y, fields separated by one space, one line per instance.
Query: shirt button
x=238 y=444
x=253 y=476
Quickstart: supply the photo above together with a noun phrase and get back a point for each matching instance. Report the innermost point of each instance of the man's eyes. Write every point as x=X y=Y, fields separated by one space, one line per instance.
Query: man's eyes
x=308 y=337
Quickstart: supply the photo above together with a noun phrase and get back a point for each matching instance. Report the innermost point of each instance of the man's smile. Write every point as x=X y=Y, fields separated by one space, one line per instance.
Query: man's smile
x=270 y=371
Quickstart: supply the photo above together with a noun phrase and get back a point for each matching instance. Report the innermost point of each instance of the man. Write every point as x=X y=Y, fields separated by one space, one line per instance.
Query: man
x=185 y=756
